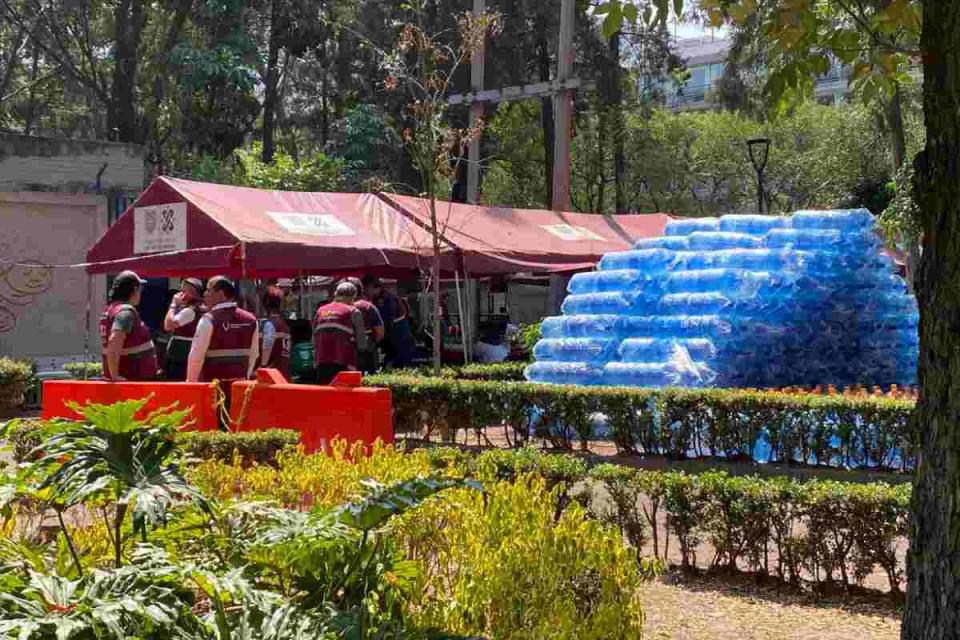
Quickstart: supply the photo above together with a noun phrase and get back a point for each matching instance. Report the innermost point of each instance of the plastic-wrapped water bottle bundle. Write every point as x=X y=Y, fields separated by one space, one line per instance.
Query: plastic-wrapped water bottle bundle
x=743 y=300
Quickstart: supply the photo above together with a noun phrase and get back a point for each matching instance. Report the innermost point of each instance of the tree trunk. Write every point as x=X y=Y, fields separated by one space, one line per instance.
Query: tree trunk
x=129 y=20
x=898 y=136
x=619 y=125
x=12 y=61
x=546 y=114
x=270 y=87
x=32 y=95
x=933 y=565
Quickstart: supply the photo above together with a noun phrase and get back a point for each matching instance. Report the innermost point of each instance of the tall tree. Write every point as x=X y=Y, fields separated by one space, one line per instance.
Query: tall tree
x=933 y=568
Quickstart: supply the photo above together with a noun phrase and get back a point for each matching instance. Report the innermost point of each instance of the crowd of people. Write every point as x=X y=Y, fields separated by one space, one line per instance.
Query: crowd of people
x=212 y=338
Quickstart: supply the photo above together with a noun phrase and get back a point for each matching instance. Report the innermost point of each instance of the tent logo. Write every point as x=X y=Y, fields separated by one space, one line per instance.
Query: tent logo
x=160 y=228
x=572 y=232
x=311 y=224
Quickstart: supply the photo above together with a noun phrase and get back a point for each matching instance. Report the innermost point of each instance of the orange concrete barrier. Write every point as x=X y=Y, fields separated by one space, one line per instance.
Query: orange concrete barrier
x=198 y=397
x=320 y=413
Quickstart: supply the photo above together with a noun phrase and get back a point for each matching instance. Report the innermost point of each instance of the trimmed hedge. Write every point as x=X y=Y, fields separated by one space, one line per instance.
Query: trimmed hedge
x=84 y=370
x=836 y=431
x=23 y=436
x=494 y=371
x=825 y=532
x=259 y=447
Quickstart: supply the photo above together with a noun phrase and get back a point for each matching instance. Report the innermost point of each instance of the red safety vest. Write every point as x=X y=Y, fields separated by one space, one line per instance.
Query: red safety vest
x=333 y=339
x=228 y=355
x=367 y=308
x=138 y=359
x=280 y=352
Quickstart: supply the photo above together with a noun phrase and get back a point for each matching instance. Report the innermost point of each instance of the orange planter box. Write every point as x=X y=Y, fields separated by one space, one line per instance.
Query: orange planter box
x=319 y=413
x=198 y=397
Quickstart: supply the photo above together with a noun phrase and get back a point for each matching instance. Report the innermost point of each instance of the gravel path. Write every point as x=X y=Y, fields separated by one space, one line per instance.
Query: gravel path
x=703 y=608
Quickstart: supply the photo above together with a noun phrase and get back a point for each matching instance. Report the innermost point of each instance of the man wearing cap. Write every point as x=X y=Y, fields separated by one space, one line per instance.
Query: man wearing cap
x=226 y=344
x=275 y=333
x=338 y=334
x=128 y=351
x=398 y=345
x=367 y=360
x=182 y=318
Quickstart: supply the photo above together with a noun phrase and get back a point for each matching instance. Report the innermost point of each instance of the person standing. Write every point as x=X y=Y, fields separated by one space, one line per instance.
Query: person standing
x=367 y=359
x=226 y=344
x=398 y=344
x=128 y=351
x=181 y=320
x=274 y=333
x=338 y=334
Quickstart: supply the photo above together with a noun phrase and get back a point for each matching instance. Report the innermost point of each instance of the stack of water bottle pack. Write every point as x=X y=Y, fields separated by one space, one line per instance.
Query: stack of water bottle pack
x=739 y=301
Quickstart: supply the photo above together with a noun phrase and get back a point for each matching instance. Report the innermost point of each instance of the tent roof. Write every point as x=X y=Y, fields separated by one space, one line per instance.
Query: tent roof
x=507 y=240
x=239 y=231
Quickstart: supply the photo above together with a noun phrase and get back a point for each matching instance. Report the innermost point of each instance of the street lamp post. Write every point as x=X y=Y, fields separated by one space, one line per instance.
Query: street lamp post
x=759 y=150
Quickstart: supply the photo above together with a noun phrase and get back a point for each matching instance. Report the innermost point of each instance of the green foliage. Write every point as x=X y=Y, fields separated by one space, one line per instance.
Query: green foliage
x=113 y=455
x=16 y=377
x=835 y=531
x=516 y=176
x=840 y=431
x=146 y=599
x=529 y=335
x=316 y=172
x=251 y=446
x=84 y=370
x=583 y=583
x=22 y=436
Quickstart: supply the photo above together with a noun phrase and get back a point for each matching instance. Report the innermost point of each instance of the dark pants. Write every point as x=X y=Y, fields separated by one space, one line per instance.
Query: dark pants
x=367 y=361
x=176 y=370
x=327 y=371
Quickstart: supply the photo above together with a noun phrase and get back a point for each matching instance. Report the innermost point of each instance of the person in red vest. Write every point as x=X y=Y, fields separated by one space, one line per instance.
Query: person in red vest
x=226 y=344
x=274 y=333
x=368 y=360
x=182 y=319
x=128 y=351
x=338 y=334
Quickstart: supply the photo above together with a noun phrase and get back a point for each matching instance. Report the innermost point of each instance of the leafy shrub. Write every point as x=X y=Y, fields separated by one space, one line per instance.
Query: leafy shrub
x=834 y=531
x=16 y=377
x=84 y=370
x=480 y=550
x=252 y=446
x=301 y=480
x=22 y=437
x=838 y=431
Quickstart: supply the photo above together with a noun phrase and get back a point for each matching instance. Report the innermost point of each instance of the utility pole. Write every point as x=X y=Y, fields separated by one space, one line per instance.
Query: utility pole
x=563 y=111
x=476 y=113
x=561 y=90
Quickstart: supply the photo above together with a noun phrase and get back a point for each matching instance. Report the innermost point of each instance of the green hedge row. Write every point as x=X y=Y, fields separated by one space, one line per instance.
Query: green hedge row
x=23 y=436
x=494 y=371
x=817 y=531
x=836 y=431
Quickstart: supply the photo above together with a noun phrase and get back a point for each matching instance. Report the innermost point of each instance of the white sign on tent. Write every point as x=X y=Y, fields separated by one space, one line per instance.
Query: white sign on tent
x=160 y=228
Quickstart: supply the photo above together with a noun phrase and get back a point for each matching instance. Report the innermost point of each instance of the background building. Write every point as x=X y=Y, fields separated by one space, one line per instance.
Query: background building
x=57 y=197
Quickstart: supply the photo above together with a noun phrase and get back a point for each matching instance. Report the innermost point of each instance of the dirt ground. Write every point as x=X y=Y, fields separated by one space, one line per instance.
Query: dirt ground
x=706 y=608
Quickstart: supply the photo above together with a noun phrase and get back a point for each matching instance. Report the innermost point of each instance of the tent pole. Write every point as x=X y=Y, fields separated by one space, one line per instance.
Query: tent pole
x=303 y=314
x=86 y=331
x=468 y=333
x=463 y=335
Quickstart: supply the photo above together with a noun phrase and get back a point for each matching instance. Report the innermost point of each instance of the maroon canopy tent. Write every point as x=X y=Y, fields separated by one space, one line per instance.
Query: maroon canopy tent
x=180 y=227
x=503 y=240
x=183 y=228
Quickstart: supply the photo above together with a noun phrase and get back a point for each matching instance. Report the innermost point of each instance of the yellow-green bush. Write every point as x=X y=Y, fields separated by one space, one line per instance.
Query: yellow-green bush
x=300 y=480
x=500 y=566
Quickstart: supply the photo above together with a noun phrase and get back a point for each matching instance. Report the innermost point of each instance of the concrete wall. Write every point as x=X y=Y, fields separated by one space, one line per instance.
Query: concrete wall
x=54 y=199
x=43 y=306
x=33 y=163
